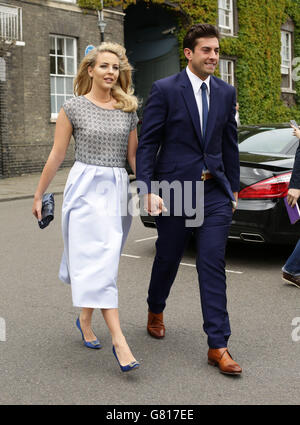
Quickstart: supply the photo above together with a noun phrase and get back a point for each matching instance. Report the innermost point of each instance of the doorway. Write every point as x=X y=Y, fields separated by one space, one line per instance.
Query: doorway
x=151 y=45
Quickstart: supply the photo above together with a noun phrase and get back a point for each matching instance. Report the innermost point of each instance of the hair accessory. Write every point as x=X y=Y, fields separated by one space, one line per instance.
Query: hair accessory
x=88 y=49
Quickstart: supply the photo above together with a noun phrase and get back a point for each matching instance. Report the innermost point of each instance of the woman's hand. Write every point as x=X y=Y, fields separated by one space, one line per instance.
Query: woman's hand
x=37 y=208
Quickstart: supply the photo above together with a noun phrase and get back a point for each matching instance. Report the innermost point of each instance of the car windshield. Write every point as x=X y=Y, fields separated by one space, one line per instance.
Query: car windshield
x=269 y=141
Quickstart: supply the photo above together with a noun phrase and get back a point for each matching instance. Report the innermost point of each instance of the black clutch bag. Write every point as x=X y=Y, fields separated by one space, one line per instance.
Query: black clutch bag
x=47 y=210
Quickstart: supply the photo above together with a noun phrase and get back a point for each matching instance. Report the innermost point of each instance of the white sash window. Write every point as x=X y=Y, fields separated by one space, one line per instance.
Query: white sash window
x=227 y=71
x=10 y=23
x=63 y=68
x=286 y=59
x=225 y=9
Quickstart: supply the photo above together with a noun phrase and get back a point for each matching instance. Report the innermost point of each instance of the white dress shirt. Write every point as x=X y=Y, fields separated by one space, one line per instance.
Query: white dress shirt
x=196 y=84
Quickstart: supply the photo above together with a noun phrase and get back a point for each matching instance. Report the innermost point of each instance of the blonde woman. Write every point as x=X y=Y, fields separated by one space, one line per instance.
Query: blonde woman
x=102 y=118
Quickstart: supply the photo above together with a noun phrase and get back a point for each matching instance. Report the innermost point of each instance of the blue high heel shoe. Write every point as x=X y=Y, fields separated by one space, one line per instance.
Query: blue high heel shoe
x=128 y=367
x=91 y=344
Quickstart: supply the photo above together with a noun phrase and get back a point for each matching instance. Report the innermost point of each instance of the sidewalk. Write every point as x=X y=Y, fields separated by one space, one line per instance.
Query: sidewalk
x=22 y=187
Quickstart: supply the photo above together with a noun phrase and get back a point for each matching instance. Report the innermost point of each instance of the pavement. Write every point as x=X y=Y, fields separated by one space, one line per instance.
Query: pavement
x=24 y=186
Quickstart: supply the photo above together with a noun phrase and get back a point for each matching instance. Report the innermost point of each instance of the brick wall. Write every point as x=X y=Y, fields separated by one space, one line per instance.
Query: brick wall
x=3 y=105
x=29 y=133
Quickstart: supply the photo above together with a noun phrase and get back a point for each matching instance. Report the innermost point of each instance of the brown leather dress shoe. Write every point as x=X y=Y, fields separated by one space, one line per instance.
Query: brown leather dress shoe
x=290 y=278
x=155 y=326
x=220 y=357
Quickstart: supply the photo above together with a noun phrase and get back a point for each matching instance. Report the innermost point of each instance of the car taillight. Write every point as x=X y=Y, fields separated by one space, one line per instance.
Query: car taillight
x=274 y=187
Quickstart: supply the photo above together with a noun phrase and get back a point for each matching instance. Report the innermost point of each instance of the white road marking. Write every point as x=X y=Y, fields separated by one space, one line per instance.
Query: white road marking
x=146 y=239
x=194 y=265
x=233 y=271
x=131 y=256
x=186 y=264
x=183 y=264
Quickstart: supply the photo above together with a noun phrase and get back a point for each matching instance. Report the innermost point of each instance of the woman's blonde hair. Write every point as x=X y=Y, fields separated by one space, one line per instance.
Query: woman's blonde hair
x=122 y=91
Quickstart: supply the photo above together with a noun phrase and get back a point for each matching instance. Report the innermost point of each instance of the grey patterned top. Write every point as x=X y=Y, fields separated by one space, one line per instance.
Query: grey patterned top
x=101 y=135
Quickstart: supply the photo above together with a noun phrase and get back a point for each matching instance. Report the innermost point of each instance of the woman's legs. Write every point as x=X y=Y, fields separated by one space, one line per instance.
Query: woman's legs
x=111 y=317
x=85 y=319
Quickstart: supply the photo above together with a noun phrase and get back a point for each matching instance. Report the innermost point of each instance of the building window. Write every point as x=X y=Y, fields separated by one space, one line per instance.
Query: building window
x=286 y=60
x=225 y=13
x=63 y=68
x=227 y=71
x=10 y=23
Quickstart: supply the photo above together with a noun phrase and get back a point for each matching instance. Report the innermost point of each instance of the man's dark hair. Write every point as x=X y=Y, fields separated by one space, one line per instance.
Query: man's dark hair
x=199 y=31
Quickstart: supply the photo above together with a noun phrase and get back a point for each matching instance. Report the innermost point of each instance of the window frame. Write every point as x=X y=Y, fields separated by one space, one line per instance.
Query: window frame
x=228 y=60
x=56 y=75
x=226 y=30
x=11 y=23
x=283 y=66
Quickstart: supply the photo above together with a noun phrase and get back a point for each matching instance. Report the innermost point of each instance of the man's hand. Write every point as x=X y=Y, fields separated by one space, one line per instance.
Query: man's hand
x=296 y=131
x=236 y=196
x=153 y=204
x=293 y=196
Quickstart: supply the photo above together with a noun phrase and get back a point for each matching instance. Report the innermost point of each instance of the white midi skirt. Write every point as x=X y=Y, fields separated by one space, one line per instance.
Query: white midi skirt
x=95 y=225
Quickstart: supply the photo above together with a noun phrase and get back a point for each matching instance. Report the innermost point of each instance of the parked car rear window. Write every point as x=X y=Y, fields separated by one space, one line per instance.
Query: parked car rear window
x=271 y=141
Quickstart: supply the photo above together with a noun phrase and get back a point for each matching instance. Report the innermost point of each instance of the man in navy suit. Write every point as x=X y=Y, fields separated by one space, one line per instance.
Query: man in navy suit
x=291 y=269
x=189 y=134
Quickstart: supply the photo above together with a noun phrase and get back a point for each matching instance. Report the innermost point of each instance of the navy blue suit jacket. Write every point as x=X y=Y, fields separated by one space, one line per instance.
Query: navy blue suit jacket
x=171 y=146
x=295 y=178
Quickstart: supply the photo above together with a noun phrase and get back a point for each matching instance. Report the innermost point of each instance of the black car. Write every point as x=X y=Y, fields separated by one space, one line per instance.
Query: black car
x=266 y=160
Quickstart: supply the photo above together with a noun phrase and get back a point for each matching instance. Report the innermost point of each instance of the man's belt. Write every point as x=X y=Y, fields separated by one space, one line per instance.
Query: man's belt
x=206 y=176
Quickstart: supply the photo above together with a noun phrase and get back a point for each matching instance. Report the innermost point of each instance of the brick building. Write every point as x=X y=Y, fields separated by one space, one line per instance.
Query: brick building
x=36 y=73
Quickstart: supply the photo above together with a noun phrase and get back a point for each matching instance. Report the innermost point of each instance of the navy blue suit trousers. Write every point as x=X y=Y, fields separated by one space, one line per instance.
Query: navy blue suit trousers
x=211 y=237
